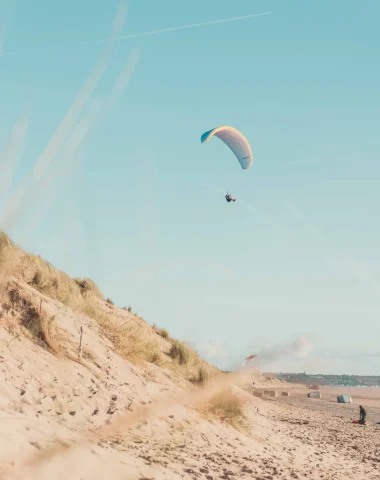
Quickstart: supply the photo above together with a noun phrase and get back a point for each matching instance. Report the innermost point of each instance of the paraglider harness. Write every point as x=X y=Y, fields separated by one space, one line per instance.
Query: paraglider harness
x=229 y=198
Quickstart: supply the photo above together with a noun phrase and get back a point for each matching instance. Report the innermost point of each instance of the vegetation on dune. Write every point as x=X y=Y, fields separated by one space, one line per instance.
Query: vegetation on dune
x=180 y=352
x=88 y=287
x=162 y=332
x=228 y=407
x=188 y=363
x=83 y=296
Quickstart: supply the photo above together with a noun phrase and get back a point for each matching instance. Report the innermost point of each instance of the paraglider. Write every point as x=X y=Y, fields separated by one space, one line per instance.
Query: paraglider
x=235 y=140
x=248 y=359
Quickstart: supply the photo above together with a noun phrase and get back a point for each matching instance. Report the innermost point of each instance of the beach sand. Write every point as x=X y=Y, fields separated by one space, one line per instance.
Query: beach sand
x=104 y=417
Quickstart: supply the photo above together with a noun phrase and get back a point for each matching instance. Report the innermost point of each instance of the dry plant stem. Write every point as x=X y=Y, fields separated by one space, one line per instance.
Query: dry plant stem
x=80 y=344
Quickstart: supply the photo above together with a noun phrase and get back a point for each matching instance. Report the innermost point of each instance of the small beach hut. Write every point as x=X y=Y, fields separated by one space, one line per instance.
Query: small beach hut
x=344 y=399
x=258 y=393
x=314 y=394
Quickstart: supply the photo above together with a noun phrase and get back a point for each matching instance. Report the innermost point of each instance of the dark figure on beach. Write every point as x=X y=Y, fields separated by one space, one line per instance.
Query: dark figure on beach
x=363 y=415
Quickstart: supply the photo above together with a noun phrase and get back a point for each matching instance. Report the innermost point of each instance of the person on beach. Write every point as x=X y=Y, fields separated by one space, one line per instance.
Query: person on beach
x=363 y=415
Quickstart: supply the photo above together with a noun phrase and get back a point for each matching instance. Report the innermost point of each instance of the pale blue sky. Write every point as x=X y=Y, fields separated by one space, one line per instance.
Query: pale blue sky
x=144 y=214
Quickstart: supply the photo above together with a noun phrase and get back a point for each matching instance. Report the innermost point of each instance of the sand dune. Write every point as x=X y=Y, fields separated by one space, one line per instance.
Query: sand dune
x=76 y=403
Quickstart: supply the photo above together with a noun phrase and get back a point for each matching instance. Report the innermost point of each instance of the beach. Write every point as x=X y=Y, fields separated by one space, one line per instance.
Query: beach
x=365 y=396
x=77 y=401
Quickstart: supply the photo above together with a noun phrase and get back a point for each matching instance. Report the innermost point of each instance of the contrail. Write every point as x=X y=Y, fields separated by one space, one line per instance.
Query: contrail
x=22 y=196
x=145 y=34
x=71 y=150
x=183 y=27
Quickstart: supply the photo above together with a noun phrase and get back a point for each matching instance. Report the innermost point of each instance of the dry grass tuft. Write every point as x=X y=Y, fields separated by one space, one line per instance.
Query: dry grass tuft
x=180 y=352
x=187 y=363
x=36 y=326
x=163 y=333
x=227 y=407
x=9 y=256
x=46 y=279
x=5 y=243
x=154 y=356
x=204 y=373
x=88 y=287
x=40 y=330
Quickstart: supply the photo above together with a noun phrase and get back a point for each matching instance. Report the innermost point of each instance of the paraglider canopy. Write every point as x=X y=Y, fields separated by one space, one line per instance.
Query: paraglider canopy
x=248 y=359
x=235 y=140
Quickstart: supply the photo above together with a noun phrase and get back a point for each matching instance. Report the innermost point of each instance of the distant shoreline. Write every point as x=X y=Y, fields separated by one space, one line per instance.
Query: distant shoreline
x=331 y=381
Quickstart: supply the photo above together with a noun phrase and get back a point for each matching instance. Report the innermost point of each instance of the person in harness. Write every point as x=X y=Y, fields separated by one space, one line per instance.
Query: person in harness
x=229 y=198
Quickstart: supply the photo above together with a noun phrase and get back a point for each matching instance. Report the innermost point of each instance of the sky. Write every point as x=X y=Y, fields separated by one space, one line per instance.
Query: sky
x=134 y=201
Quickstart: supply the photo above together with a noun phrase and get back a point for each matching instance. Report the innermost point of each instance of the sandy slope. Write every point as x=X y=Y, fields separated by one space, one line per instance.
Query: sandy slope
x=53 y=410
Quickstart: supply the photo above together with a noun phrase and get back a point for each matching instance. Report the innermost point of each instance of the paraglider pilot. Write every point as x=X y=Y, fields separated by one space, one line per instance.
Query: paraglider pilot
x=229 y=198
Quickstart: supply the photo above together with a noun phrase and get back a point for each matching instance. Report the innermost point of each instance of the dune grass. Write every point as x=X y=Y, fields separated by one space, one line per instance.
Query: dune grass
x=227 y=407
x=126 y=338
x=83 y=296
x=36 y=325
x=188 y=363
x=88 y=287
x=185 y=361
x=180 y=352
x=162 y=332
